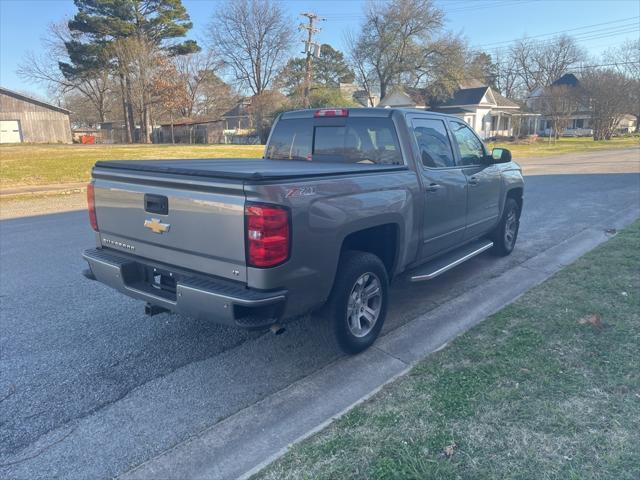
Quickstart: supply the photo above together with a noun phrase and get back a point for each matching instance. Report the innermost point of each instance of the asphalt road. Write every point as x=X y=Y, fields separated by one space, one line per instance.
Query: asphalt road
x=90 y=387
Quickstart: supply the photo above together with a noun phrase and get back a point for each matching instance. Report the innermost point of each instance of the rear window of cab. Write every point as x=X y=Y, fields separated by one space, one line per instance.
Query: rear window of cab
x=365 y=140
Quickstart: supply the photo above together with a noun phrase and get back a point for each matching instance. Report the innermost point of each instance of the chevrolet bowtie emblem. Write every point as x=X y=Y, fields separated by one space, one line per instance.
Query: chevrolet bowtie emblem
x=156 y=226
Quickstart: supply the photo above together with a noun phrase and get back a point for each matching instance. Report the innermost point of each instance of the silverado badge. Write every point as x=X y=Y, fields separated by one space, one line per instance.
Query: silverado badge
x=156 y=226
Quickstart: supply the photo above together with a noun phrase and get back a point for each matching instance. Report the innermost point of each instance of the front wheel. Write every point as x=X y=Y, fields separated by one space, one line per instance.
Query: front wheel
x=506 y=232
x=357 y=306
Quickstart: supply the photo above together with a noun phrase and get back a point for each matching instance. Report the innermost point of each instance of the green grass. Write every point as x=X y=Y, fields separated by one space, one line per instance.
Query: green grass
x=532 y=392
x=542 y=148
x=49 y=164
x=52 y=164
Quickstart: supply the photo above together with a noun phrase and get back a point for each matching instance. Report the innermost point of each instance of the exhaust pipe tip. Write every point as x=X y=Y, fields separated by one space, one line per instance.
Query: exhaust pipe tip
x=277 y=329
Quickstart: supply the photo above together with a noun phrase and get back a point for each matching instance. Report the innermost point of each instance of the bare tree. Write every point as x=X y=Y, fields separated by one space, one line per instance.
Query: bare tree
x=137 y=58
x=263 y=109
x=169 y=90
x=393 y=40
x=540 y=63
x=93 y=86
x=558 y=103
x=607 y=91
x=625 y=59
x=359 y=61
x=253 y=38
x=208 y=95
x=507 y=78
x=443 y=68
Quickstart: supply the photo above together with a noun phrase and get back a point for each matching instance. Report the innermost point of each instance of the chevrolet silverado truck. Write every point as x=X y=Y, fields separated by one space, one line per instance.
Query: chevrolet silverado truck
x=342 y=202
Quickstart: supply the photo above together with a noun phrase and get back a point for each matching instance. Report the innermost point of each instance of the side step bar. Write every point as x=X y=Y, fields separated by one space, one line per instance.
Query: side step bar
x=452 y=259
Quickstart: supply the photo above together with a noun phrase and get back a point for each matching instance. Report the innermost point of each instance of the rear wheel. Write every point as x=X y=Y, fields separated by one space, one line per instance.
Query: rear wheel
x=506 y=233
x=357 y=307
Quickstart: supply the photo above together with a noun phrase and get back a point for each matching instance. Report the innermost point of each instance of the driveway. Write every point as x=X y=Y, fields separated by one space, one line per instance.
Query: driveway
x=91 y=387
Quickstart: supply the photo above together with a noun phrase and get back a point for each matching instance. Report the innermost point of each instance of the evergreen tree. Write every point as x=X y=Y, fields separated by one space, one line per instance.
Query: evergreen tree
x=103 y=29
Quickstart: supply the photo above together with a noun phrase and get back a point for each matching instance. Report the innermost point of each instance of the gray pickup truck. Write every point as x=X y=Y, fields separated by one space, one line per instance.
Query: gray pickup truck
x=343 y=201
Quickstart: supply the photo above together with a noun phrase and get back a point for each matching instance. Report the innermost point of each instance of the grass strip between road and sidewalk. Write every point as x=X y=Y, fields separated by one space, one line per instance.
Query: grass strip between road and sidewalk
x=548 y=387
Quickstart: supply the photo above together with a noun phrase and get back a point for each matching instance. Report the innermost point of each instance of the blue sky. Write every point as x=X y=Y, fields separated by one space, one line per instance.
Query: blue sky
x=491 y=24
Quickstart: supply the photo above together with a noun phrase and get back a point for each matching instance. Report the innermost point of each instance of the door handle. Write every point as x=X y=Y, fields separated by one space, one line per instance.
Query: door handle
x=474 y=181
x=433 y=187
x=156 y=204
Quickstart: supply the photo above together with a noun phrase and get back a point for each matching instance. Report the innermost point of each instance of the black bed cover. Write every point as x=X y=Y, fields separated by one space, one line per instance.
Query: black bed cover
x=246 y=169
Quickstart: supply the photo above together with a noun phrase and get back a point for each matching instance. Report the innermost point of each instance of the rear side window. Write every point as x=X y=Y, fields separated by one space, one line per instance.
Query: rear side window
x=366 y=140
x=291 y=140
x=435 y=147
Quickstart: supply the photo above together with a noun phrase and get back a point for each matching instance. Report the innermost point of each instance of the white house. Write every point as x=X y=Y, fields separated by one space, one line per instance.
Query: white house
x=485 y=110
x=489 y=113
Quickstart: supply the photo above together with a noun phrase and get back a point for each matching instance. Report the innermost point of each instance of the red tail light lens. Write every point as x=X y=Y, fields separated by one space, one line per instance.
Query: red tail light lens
x=91 y=206
x=331 y=112
x=268 y=235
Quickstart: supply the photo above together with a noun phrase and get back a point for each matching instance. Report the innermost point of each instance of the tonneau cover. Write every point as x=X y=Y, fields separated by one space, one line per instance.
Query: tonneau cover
x=246 y=169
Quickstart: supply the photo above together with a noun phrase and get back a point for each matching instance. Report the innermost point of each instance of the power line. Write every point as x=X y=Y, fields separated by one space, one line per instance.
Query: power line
x=582 y=37
x=623 y=20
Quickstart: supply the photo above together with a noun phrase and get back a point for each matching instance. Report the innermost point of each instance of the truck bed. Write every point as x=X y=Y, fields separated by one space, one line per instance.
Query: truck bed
x=246 y=169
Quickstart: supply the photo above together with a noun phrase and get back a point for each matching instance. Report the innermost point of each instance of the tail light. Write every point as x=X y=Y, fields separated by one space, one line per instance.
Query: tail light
x=268 y=235
x=331 y=112
x=91 y=206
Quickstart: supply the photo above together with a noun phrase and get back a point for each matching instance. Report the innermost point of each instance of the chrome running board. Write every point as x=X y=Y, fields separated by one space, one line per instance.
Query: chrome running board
x=450 y=260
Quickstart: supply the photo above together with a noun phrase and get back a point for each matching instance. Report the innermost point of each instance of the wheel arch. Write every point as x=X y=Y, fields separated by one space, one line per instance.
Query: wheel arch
x=517 y=193
x=382 y=240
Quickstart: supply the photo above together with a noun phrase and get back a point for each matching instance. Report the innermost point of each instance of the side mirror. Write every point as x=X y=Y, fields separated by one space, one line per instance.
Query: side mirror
x=501 y=155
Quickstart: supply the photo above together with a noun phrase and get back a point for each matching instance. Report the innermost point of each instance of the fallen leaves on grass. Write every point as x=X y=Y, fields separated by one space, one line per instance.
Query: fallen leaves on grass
x=449 y=450
x=593 y=320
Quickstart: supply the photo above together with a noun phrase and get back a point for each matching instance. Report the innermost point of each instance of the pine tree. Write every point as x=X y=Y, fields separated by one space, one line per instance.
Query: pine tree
x=103 y=29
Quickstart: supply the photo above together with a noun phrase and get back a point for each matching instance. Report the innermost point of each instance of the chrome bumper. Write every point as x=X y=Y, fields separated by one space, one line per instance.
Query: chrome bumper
x=197 y=296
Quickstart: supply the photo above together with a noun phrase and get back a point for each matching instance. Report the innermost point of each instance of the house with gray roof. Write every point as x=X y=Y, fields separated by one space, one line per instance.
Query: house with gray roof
x=485 y=110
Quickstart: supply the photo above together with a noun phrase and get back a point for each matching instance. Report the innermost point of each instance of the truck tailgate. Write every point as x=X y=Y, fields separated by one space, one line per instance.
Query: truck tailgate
x=201 y=228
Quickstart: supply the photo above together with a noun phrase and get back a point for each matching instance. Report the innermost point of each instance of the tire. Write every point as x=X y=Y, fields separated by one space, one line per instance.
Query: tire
x=505 y=234
x=350 y=306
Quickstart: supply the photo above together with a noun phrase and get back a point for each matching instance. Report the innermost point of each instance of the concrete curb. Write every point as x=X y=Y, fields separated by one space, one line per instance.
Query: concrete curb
x=246 y=442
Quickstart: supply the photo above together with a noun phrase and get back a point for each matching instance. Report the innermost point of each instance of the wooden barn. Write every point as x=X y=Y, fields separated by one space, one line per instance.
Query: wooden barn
x=25 y=119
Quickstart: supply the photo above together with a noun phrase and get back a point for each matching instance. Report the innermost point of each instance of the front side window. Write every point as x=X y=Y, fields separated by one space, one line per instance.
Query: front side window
x=365 y=140
x=471 y=149
x=434 y=144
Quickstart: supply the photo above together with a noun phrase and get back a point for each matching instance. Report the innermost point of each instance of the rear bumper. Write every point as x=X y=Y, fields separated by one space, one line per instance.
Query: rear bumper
x=195 y=295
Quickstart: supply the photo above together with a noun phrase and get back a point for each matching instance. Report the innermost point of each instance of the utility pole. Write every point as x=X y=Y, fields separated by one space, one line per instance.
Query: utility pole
x=311 y=49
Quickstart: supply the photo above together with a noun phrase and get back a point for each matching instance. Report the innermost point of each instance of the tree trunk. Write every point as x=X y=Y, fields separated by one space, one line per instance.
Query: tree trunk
x=173 y=139
x=146 y=130
x=383 y=89
x=125 y=110
x=132 y=120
